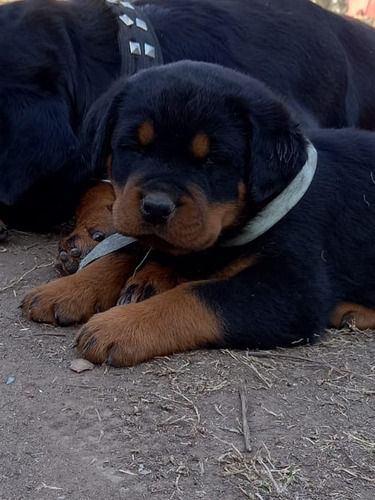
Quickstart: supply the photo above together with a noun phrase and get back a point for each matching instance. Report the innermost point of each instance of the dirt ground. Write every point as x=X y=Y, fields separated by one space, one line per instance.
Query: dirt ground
x=175 y=428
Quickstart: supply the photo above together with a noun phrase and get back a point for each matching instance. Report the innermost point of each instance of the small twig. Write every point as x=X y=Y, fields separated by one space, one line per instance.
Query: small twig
x=46 y=486
x=279 y=489
x=247 y=495
x=245 y=425
x=17 y=281
x=81 y=386
x=191 y=403
x=142 y=262
x=48 y=334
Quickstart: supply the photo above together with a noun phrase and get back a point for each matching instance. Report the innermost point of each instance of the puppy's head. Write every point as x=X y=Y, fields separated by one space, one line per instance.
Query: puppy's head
x=194 y=150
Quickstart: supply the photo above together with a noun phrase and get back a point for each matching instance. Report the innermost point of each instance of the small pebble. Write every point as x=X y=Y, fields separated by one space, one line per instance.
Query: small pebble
x=81 y=365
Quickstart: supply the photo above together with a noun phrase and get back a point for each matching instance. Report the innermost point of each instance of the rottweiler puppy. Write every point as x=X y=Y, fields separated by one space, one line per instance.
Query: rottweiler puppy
x=251 y=231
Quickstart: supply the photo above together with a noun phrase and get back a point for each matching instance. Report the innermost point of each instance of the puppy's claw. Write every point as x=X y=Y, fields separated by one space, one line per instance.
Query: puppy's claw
x=135 y=293
x=109 y=361
x=80 y=336
x=63 y=321
x=127 y=297
x=3 y=232
x=88 y=345
x=147 y=293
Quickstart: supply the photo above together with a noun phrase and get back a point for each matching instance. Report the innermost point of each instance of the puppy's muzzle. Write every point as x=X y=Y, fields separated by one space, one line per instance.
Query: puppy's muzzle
x=157 y=207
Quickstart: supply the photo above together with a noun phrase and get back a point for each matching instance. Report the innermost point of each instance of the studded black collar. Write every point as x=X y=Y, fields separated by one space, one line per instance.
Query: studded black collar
x=138 y=42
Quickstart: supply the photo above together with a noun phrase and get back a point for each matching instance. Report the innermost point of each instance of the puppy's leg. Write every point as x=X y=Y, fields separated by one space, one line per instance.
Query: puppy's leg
x=155 y=278
x=348 y=313
x=172 y=322
x=245 y=311
x=93 y=224
x=76 y=298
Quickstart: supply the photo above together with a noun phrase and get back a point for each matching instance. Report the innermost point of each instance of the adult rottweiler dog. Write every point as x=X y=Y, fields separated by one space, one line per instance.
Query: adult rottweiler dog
x=251 y=232
x=58 y=57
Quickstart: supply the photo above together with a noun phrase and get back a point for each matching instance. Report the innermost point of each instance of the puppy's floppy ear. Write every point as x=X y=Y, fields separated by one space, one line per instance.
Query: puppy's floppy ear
x=278 y=147
x=36 y=140
x=98 y=127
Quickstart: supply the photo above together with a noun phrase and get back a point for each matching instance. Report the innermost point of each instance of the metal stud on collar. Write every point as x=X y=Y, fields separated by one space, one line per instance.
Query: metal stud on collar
x=135 y=48
x=126 y=20
x=150 y=50
x=141 y=24
x=127 y=4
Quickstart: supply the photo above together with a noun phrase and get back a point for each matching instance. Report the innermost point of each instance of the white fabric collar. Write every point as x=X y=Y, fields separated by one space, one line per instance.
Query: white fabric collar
x=279 y=206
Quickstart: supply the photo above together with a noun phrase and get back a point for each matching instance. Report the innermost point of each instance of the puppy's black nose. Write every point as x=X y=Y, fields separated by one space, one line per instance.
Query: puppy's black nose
x=157 y=207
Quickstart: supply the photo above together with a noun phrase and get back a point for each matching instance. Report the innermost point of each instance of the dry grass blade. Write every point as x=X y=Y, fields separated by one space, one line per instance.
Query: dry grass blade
x=18 y=280
x=245 y=425
x=365 y=442
x=279 y=355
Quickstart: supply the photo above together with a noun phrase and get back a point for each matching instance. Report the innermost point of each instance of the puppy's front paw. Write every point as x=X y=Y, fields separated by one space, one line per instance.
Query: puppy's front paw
x=93 y=224
x=115 y=337
x=76 y=246
x=61 y=302
x=76 y=298
x=173 y=321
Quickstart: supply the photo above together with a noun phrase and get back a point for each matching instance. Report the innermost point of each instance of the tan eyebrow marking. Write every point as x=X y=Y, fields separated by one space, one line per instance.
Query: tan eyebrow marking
x=146 y=133
x=200 y=145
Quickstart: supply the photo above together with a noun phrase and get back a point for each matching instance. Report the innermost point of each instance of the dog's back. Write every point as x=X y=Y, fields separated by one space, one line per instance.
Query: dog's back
x=320 y=62
x=339 y=212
